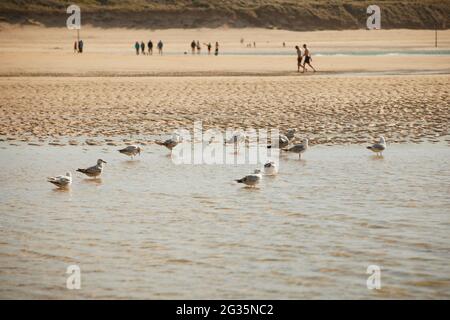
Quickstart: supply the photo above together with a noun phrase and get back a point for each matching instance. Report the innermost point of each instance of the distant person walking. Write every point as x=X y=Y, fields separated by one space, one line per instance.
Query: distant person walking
x=160 y=47
x=80 y=46
x=143 y=48
x=136 y=46
x=217 y=49
x=199 y=48
x=299 y=59
x=75 y=47
x=150 y=47
x=209 y=46
x=308 y=59
x=193 y=45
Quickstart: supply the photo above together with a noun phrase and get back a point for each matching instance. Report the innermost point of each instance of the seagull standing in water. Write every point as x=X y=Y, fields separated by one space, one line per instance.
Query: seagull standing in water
x=61 y=181
x=94 y=171
x=251 y=180
x=131 y=151
x=270 y=168
x=299 y=148
x=284 y=140
x=170 y=143
x=379 y=147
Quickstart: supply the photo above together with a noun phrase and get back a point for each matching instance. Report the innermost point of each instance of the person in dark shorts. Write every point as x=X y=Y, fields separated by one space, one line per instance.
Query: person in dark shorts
x=193 y=45
x=142 y=47
x=217 y=49
x=308 y=59
x=299 y=59
x=160 y=47
x=80 y=46
x=150 y=47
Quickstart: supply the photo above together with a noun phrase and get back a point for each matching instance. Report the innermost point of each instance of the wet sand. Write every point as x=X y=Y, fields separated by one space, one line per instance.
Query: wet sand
x=327 y=109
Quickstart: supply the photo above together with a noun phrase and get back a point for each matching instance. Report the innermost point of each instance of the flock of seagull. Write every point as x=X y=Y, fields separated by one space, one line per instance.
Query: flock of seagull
x=251 y=180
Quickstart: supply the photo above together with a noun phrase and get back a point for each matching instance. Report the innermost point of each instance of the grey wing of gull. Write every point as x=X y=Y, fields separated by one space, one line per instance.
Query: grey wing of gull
x=251 y=178
x=94 y=169
x=378 y=146
x=297 y=148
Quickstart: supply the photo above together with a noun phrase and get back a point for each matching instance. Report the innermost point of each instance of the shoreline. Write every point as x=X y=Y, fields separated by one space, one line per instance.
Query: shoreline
x=200 y=74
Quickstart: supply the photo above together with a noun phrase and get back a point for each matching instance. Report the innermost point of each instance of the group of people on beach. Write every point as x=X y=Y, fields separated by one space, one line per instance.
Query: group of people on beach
x=140 y=47
x=78 y=46
x=302 y=55
x=196 y=47
x=307 y=58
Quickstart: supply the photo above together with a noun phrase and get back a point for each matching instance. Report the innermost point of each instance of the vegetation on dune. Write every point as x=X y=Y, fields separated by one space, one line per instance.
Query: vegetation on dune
x=283 y=14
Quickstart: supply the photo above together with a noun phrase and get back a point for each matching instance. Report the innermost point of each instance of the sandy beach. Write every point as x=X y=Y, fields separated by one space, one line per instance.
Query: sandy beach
x=38 y=51
x=327 y=109
x=151 y=228
x=48 y=92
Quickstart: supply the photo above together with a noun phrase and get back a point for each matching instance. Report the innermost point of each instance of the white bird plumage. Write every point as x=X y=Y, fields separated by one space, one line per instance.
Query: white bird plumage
x=61 y=181
x=270 y=168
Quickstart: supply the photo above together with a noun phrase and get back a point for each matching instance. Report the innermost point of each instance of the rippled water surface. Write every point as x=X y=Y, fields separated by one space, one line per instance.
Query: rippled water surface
x=152 y=229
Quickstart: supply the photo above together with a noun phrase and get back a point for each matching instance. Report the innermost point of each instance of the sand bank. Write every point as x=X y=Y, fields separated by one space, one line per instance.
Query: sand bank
x=327 y=109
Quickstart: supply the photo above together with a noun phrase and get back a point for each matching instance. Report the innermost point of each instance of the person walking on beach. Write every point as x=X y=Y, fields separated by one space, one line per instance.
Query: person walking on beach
x=80 y=46
x=143 y=48
x=150 y=47
x=75 y=47
x=299 y=59
x=193 y=45
x=209 y=46
x=308 y=59
x=136 y=46
x=199 y=48
x=160 y=47
x=217 y=49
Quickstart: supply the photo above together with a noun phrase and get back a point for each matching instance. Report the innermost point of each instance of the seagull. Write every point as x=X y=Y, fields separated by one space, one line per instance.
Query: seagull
x=94 y=171
x=270 y=168
x=170 y=143
x=299 y=148
x=290 y=134
x=283 y=142
x=379 y=147
x=251 y=180
x=131 y=151
x=61 y=181
x=284 y=139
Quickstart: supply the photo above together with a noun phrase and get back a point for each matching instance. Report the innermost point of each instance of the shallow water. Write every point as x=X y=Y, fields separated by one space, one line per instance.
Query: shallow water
x=151 y=229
